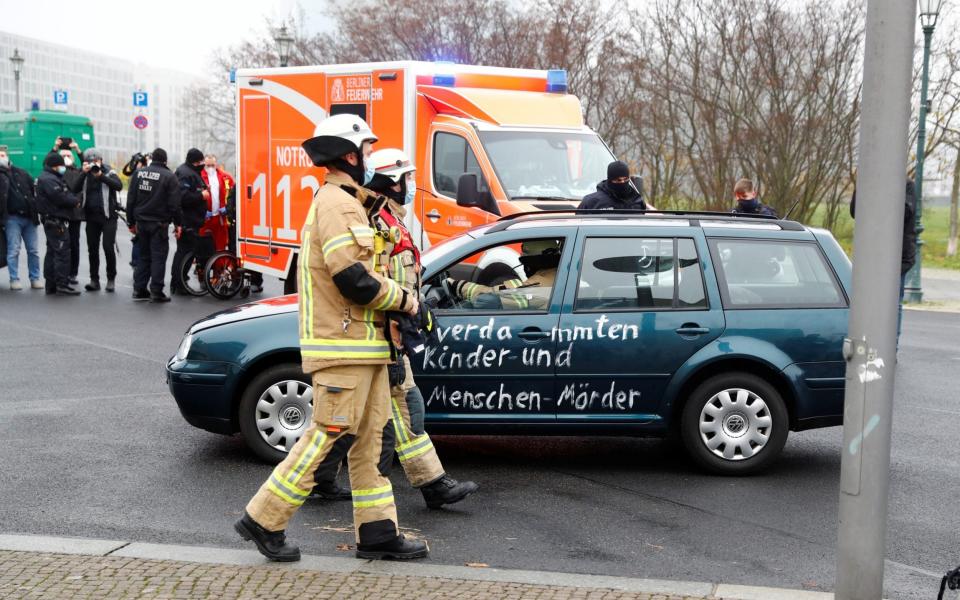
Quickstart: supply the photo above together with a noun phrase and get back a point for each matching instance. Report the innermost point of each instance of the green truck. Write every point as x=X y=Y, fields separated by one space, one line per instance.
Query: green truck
x=29 y=136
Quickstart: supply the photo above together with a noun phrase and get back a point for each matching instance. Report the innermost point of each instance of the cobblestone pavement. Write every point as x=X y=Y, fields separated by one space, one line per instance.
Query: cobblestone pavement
x=31 y=575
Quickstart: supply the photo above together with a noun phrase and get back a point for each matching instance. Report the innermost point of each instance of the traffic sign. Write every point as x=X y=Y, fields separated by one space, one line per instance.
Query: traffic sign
x=60 y=96
x=139 y=98
x=140 y=122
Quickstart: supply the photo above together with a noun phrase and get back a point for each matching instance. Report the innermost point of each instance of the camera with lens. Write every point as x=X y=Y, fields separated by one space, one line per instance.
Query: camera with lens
x=65 y=143
x=95 y=168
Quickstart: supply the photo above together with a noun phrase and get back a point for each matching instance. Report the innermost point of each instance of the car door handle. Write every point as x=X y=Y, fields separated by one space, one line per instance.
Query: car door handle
x=692 y=329
x=533 y=334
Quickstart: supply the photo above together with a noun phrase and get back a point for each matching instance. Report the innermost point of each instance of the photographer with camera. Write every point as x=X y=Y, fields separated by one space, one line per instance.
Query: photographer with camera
x=99 y=202
x=70 y=151
x=194 y=195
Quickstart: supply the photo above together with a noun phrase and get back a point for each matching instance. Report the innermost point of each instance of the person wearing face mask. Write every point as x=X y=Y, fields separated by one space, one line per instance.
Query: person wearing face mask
x=18 y=217
x=394 y=178
x=99 y=188
x=74 y=180
x=194 y=196
x=748 y=203
x=343 y=301
x=57 y=205
x=616 y=192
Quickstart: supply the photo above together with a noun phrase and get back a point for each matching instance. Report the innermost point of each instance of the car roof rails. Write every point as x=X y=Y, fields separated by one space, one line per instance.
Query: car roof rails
x=570 y=213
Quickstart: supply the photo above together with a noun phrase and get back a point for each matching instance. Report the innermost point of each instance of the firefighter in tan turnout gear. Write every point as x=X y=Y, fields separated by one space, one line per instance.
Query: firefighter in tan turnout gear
x=394 y=178
x=343 y=300
x=540 y=259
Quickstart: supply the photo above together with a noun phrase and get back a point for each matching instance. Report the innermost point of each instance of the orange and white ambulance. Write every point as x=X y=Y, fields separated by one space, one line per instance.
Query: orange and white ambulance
x=486 y=141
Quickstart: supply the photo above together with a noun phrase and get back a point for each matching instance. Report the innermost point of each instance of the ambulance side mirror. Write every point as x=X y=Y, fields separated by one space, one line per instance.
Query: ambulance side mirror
x=468 y=194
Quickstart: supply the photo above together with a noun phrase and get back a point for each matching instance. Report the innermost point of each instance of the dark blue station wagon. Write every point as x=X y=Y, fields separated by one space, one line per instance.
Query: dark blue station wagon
x=725 y=330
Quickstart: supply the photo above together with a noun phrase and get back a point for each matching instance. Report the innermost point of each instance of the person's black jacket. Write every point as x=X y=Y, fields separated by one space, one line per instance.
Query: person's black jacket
x=54 y=198
x=92 y=185
x=22 y=199
x=192 y=204
x=605 y=199
x=154 y=195
x=759 y=209
x=74 y=180
x=908 y=252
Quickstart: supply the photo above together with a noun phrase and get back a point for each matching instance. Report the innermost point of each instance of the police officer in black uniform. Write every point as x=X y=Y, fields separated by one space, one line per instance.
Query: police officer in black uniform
x=153 y=202
x=193 y=203
x=56 y=204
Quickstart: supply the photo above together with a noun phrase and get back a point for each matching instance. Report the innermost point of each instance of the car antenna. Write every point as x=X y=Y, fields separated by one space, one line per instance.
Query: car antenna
x=784 y=218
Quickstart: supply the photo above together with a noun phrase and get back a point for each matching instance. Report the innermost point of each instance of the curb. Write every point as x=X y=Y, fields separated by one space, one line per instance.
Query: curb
x=336 y=564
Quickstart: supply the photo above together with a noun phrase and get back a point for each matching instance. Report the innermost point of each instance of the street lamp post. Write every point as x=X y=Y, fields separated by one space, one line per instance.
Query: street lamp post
x=929 y=11
x=17 y=61
x=284 y=44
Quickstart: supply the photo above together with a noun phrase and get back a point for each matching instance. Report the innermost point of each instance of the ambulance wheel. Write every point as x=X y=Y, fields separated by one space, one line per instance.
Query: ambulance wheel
x=734 y=424
x=223 y=275
x=275 y=410
x=191 y=276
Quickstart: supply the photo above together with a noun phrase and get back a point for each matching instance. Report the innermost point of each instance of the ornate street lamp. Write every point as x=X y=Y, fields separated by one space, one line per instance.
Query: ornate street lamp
x=284 y=44
x=929 y=12
x=17 y=61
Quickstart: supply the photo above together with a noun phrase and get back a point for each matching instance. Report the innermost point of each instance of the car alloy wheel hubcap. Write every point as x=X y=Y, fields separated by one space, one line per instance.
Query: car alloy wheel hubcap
x=283 y=413
x=735 y=424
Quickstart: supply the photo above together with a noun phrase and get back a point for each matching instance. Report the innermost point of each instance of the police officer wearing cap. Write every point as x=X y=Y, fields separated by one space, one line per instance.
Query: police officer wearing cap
x=153 y=202
x=194 y=195
x=57 y=205
x=394 y=178
x=343 y=299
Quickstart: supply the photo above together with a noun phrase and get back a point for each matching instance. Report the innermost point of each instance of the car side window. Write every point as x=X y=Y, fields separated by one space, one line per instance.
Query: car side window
x=640 y=274
x=452 y=157
x=775 y=274
x=496 y=279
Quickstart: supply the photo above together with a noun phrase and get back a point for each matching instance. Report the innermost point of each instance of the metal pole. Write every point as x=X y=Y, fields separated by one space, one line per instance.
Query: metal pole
x=16 y=77
x=913 y=291
x=870 y=349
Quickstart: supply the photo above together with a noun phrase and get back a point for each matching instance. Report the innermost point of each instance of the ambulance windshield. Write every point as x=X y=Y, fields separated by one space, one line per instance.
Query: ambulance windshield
x=547 y=165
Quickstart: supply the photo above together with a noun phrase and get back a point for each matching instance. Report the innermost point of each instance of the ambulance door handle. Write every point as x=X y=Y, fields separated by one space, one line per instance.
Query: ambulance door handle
x=249 y=192
x=434 y=214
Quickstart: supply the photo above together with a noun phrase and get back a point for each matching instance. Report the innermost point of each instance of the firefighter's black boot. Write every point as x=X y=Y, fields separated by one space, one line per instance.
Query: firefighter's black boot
x=400 y=548
x=272 y=544
x=330 y=490
x=447 y=490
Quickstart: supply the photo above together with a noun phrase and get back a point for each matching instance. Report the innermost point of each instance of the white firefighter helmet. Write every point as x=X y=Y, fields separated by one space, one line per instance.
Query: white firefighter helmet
x=336 y=136
x=392 y=162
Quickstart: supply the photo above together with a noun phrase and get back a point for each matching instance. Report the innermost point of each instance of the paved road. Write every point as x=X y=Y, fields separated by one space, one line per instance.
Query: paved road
x=93 y=445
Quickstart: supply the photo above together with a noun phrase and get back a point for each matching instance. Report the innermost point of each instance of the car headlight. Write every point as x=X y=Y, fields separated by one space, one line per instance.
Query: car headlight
x=184 y=348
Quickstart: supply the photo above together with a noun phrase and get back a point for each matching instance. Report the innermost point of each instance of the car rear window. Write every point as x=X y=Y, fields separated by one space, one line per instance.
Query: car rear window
x=775 y=274
x=625 y=273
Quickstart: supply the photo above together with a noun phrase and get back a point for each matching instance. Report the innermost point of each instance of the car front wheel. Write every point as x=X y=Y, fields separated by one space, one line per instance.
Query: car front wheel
x=275 y=410
x=734 y=424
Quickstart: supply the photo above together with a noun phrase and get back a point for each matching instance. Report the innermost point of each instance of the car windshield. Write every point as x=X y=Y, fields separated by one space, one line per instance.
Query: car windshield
x=547 y=165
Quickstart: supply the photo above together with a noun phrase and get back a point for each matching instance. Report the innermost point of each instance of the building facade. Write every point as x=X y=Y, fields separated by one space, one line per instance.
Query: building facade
x=102 y=88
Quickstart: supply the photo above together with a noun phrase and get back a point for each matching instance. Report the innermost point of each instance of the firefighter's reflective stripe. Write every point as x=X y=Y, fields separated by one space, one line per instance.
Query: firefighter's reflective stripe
x=339 y=348
x=337 y=242
x=390 y=297
x=373 y=497
x=368 y=321
x=399 y=274
x=306 y=288
x=398 y=421
x=414 y=447
x=311 y=453
x=285 y=491
x=471 y=291
x=519 y=300
x=361 y=232
x=511 y=283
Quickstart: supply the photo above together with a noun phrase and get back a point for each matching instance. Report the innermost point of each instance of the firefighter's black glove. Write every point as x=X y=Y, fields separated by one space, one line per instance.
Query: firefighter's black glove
x=418 y=331
x=397 y=373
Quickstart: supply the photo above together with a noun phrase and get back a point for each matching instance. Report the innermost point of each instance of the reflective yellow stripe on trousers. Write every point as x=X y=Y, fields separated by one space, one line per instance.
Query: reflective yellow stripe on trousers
x=414 y=447
x=285 y=485
x=338 y=348
x=373 y=497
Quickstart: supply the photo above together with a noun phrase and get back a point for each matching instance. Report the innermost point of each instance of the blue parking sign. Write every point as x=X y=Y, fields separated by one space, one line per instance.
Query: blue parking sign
x=139 y=98
x=60 y=96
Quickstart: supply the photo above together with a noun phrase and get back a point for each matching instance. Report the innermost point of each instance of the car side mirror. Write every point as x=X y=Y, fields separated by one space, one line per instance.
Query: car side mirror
x=468 y=194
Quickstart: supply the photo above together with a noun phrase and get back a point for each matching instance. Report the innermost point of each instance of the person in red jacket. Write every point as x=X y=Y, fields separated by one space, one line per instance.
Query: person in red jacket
x=219 y=183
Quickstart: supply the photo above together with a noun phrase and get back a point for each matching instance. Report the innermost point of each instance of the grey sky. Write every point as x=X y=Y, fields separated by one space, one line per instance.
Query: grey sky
x=175 y=34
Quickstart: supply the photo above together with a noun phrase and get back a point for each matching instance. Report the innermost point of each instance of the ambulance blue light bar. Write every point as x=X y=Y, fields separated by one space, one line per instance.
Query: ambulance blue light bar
x=557 y=81
x=445 y=80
